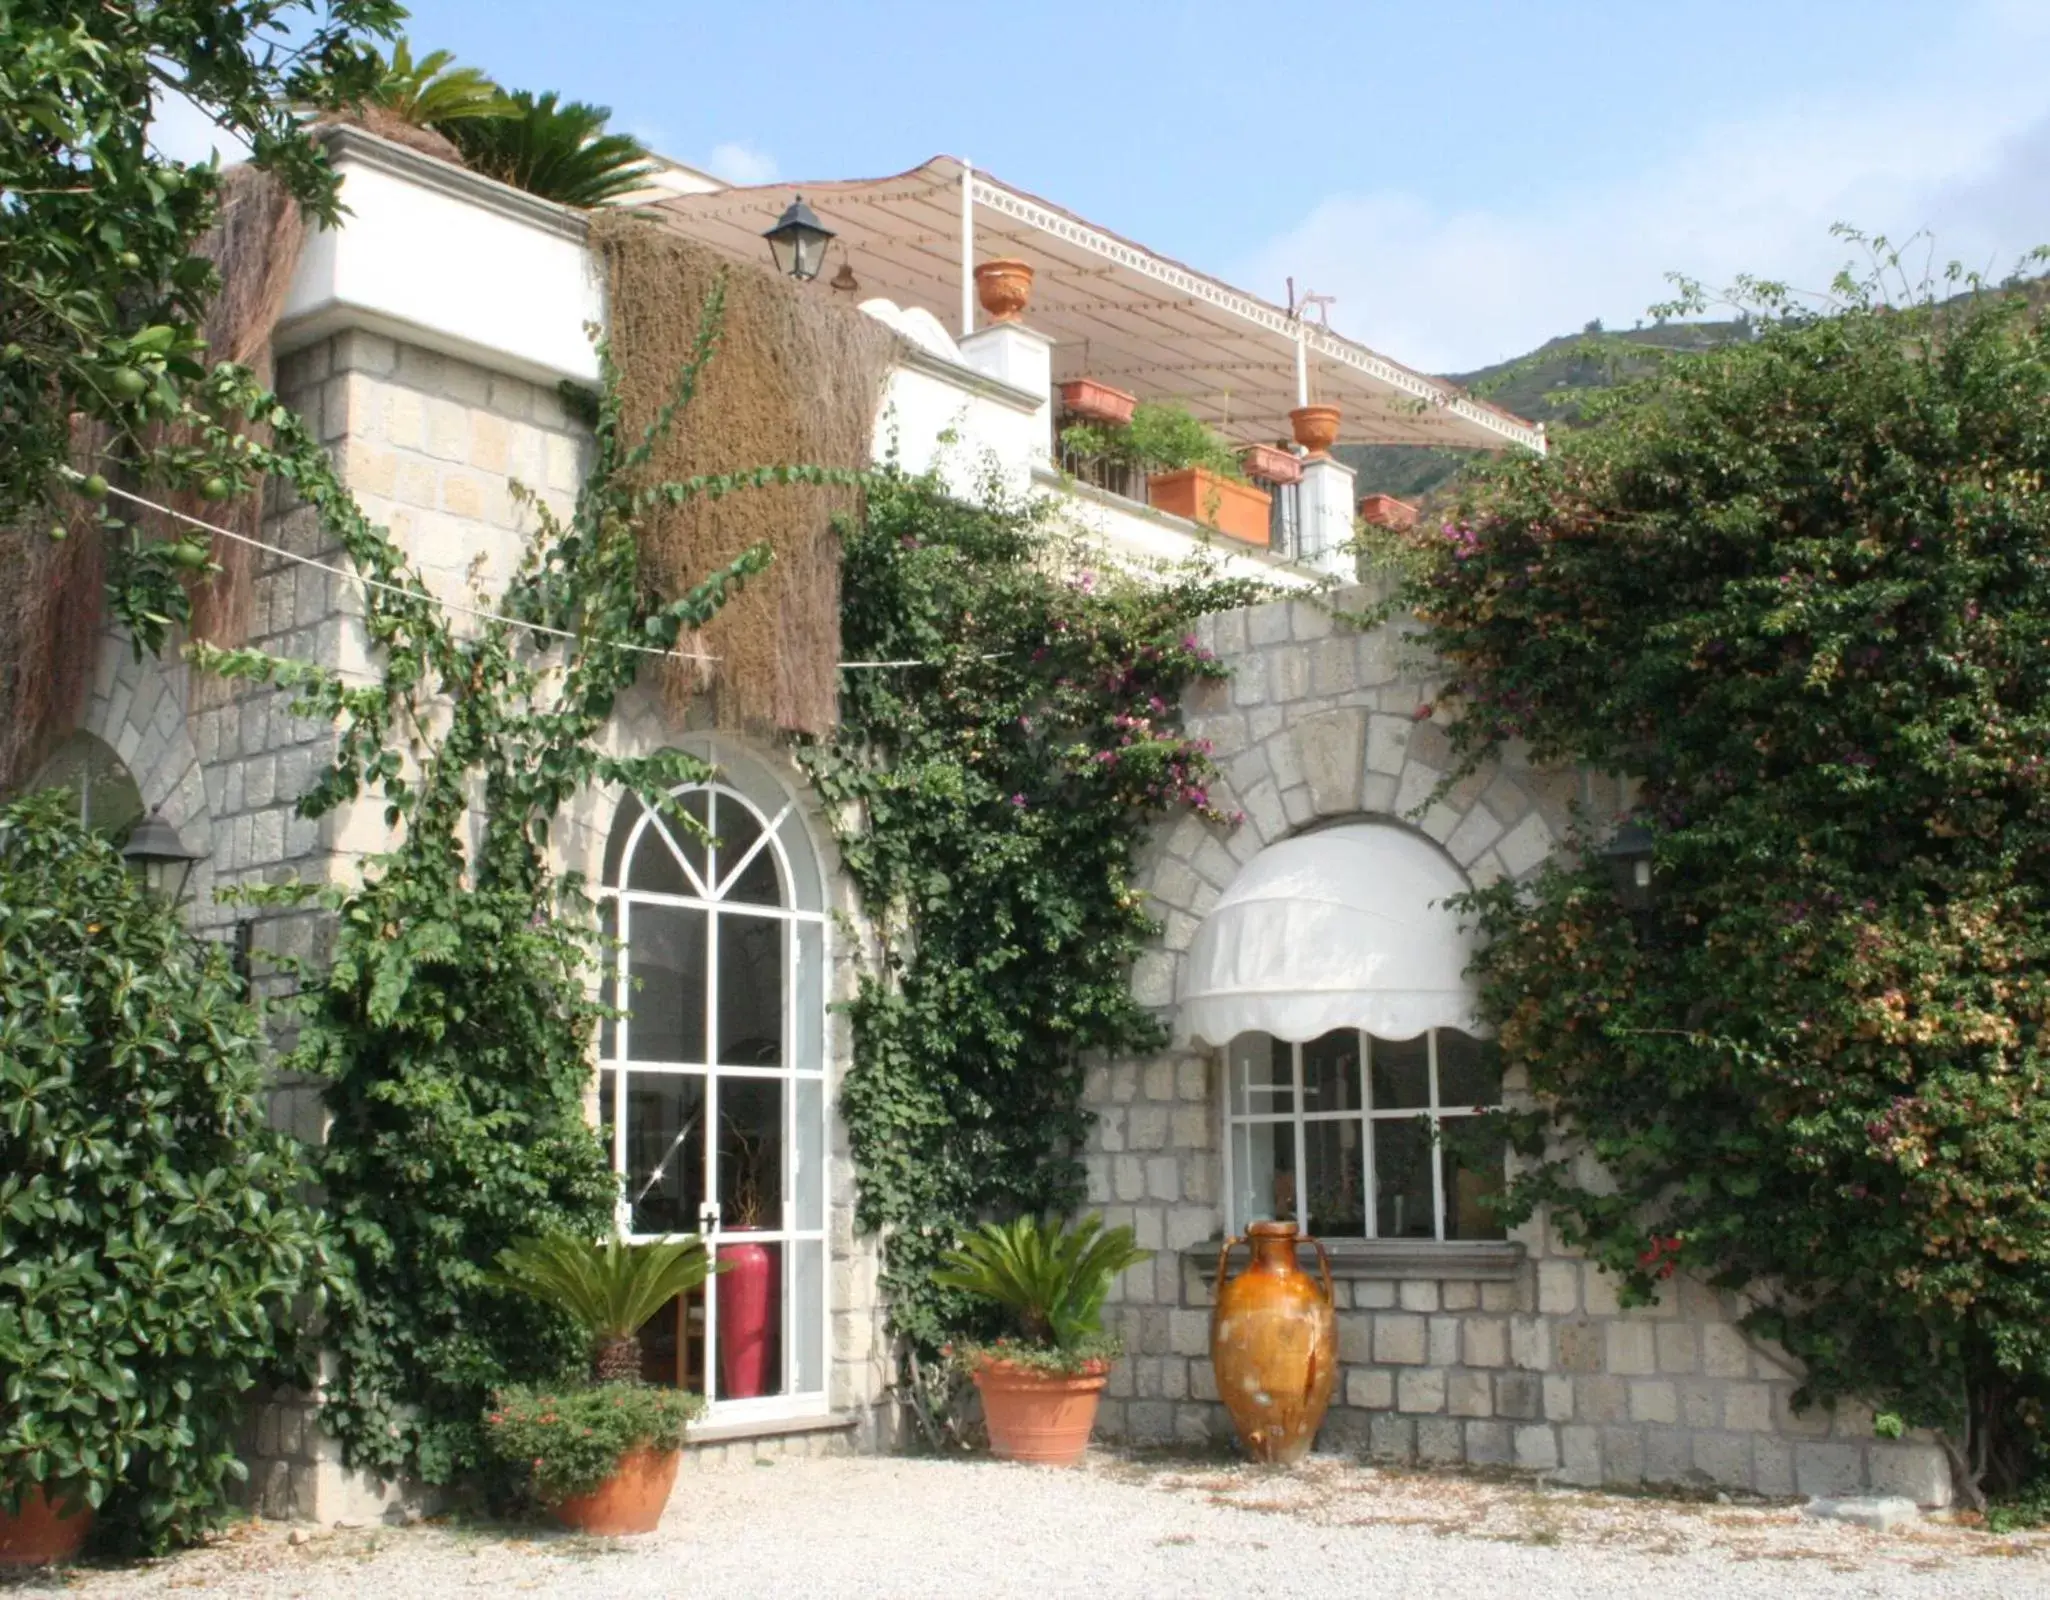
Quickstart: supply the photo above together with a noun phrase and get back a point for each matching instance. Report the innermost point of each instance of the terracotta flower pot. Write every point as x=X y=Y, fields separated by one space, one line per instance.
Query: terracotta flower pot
x=1315 y=427
x=1274 y=1345
x=1042 y=1418
x=43 y=1531
x=1271 y=463
x=630 y=1501
x=1004 y=286
x=1097 y=402
x=1235 y=509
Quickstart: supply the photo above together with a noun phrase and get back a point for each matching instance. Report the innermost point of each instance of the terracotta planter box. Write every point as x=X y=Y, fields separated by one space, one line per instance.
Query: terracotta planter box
x=1386 y=511
x=1236 y=510
x=1041 y=1418
x=1098 y=402
x=1271 y=463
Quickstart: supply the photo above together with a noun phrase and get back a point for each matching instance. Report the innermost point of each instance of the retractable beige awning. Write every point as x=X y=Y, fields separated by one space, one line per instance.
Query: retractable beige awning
x=1116 y=311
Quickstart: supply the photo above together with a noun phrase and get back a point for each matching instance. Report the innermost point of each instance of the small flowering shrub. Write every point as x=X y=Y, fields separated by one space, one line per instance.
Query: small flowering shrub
x=989 y=806
x=1085 y=1358
x=1800 y=589
x=567 y=1441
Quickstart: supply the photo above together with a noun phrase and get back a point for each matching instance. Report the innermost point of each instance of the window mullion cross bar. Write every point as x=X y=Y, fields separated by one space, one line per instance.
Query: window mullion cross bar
x=1370 y=1196
x=1302 y=1164
x=1437 y=1150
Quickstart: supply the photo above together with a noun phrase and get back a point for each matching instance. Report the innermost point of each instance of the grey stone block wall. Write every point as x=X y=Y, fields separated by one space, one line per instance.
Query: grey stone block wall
x=1533 y=1366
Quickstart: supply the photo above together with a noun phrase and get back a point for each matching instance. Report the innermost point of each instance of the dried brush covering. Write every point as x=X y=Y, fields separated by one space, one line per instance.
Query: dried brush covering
x=49 y=637
x=51 y=614
x=255 y=247
x=795 y=380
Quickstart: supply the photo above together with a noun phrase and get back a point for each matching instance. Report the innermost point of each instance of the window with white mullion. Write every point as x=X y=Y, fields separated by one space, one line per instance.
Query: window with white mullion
x=1342 y=1134
x=714 y=1086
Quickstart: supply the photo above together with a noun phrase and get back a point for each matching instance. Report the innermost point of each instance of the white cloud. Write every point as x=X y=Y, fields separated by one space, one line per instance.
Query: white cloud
x=741 y=163
x=180 y=131
x=1964 y=150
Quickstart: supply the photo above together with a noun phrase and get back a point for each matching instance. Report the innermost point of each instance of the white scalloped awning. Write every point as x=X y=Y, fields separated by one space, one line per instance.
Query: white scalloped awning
x=1347 y=928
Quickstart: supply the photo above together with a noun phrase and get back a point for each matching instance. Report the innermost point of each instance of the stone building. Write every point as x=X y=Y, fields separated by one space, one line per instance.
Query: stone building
x=427 y=339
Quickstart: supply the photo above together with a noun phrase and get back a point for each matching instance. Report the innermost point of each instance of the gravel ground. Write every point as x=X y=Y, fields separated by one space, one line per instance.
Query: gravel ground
x=1118 y=1527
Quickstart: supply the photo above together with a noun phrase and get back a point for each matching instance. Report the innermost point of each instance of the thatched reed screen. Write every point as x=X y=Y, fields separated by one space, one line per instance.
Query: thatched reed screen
x=52 y=608
x=796 y=380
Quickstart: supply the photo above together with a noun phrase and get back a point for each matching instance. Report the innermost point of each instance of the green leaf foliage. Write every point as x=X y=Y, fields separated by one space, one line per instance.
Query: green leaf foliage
x=990 y=803
x=101 y=291
x=453 y=1025
x=566 y=1441
x=1050 y=1276
x=608 y=1288
x=153 y=1242
x=559 y=152
x=1159 y=438
x=432 y=92
x=1800 y=589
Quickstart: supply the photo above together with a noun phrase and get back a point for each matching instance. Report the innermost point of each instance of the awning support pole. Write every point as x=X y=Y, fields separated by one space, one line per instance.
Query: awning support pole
x=967 y=249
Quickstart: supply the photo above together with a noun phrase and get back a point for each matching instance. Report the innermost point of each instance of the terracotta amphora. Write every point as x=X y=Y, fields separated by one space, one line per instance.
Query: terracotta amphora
x=1274 y=1344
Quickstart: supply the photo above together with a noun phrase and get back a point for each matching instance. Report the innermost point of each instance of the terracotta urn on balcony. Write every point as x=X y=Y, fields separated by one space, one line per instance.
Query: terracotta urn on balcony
x=1316 y=428
x=1003 y=286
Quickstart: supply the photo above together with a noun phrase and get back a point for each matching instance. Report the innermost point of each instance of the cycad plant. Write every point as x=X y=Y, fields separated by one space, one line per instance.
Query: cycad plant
x=559 y=152
x=1051 y=1276
x=609 y=1289
x=432 y=93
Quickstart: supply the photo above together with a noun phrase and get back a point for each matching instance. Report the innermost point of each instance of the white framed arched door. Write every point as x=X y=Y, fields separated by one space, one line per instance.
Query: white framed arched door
x=712 y=1086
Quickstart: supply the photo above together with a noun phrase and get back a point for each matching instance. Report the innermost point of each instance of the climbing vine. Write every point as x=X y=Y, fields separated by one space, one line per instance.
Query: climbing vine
x=1800 y=588
x=452 y=1028
x=990 y=801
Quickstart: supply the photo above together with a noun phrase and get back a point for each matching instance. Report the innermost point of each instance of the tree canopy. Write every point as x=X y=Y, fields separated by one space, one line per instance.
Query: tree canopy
x=102 y=288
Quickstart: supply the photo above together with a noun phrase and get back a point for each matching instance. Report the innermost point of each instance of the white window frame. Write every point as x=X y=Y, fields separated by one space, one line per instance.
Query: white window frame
x=787 y=1231
x=1365 y=1114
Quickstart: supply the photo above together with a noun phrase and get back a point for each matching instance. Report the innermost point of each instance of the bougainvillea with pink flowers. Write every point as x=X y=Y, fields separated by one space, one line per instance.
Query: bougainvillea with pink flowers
x=989 y=805
x=1799 y=588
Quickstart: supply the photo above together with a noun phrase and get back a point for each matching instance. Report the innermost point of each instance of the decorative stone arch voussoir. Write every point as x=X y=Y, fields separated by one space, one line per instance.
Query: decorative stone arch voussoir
x=137 y=708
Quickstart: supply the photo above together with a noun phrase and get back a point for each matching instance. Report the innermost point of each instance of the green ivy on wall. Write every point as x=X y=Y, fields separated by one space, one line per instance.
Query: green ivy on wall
x=453 y=1026
x=989 y=805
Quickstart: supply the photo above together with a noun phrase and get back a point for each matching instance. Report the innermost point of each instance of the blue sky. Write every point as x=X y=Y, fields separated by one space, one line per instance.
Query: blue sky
x=1466 y=177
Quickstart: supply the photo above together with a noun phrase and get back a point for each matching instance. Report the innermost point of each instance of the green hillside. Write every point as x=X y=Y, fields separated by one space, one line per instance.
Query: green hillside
x=1541 y=386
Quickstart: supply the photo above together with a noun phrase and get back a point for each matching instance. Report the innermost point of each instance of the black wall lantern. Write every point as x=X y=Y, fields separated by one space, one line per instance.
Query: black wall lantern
x=159 y=857
x=1629 y=855
x=798 y=241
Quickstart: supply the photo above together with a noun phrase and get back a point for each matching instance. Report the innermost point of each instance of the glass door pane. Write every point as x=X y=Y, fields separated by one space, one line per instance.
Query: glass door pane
x=665 y=1000
x=665 y=1151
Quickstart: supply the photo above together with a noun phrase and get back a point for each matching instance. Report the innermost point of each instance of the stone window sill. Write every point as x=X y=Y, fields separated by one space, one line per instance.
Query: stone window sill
x=768 y=1428
x=1462 y=1261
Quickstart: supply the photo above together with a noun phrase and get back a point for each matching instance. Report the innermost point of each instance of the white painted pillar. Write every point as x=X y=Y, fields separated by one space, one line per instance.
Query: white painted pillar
x=1302 y=365
x=967 y=249
x=1324 y=503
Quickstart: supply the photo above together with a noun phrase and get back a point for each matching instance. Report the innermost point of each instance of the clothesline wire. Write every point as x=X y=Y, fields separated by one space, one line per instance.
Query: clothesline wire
x=451 y=606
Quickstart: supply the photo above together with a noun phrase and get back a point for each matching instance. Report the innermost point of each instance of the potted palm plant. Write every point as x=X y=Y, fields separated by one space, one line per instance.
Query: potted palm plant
x=1040 y=1389
x=600 y=1451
